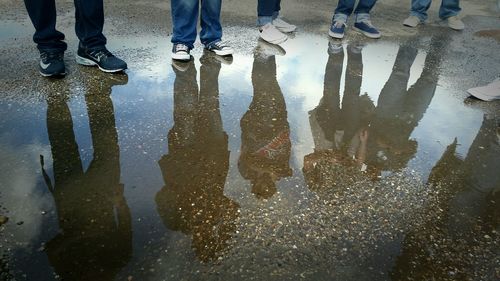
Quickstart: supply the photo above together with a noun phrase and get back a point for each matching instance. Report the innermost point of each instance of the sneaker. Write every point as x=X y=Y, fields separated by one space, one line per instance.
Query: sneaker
x=265 y=50
x=412 y=21
x=335 y=48
x=101 y=58
x=180 y=65
x=283 y=26
x=181 y=52
x=208 y=57
x=220 y=48
x=455 y=23
x=271 y=34
x=52 y=64
x=337 y=30
x=366 y=28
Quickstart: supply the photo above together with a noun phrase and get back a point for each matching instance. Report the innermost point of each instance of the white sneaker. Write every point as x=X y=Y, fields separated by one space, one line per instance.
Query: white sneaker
x=283 y=26
x=412 y=21
x=181 y=52
x=220 y=48
x=455 y=23
x=271 y=34
x=265 y=50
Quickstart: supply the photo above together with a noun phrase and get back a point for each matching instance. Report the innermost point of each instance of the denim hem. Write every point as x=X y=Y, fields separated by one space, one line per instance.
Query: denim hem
x=421 y=16
x=362 y=17
x=263 y=20
x=340 y=17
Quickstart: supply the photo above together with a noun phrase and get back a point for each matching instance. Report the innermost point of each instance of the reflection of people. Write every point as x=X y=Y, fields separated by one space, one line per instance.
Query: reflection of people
x=196 y=166
x=265 y=139
x=95 y=241
x=271 y=26
x=89 y=24
x=469 y=192
x=399 y=110
x=448 y=11
x=340 y=134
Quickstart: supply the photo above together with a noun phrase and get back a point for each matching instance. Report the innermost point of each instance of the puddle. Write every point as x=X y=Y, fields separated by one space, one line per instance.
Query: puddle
x=345 y=163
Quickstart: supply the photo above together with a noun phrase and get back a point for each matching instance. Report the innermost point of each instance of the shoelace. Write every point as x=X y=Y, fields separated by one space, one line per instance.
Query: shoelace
x=220 y=44
x=101 y=53
x=181 y=47
x=368 y=22
x=339 y=24
x=48 y=56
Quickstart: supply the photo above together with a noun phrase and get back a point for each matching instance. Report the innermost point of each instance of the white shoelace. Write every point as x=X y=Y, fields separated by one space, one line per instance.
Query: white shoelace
x=181 y=48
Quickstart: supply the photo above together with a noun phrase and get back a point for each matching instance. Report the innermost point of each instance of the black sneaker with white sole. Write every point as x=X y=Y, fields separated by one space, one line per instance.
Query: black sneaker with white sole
x=52 y=64
x=180 y=52
x=220 y=48
x=101 y=58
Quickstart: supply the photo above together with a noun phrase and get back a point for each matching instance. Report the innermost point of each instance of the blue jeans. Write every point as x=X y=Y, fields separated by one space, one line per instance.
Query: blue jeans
x=185 y=19
x=448 y=8
x=267 y=11
x=346 y=7
x=89 y=17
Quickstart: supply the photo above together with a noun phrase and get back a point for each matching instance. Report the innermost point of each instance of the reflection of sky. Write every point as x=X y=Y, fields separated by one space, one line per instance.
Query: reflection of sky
x=144 y=115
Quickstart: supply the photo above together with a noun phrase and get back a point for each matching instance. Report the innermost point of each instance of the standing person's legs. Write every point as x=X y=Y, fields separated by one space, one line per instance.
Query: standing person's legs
x=184 y=20
x=419 y=8
x=89 y=16
x=363 y=9
x=211 y=29
x=449 y=8
x=344 y=10
x=277 y=9
x=43 y=16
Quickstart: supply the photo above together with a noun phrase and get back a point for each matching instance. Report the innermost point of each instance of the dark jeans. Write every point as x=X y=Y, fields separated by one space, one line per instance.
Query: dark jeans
x=89 y=23
x=185 y=19
x=267 y=10
x=346 y=7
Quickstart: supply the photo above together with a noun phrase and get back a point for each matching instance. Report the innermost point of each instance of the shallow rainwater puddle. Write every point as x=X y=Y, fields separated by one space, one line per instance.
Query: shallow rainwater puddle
x=332 y=164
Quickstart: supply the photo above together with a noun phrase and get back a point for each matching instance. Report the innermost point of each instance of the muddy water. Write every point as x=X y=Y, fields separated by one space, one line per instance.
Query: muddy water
x=338 y=162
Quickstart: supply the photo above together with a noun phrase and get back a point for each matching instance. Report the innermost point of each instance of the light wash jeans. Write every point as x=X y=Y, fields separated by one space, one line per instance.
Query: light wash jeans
x=448 y=8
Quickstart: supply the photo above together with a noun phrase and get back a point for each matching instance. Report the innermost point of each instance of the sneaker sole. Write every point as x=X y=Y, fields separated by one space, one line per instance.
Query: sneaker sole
x=56 y=75
x=335 y=35
x=88 y=62
x=222 y=53
x=275 y=42
x=186 y=57
x=286 y=30
x=369 y=35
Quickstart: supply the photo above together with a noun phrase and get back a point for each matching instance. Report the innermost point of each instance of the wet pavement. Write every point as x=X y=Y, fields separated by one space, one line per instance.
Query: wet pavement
x=321 y=160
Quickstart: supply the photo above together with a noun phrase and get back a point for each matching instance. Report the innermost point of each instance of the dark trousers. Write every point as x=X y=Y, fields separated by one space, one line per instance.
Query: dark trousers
x=267 y=8
x=89 y=23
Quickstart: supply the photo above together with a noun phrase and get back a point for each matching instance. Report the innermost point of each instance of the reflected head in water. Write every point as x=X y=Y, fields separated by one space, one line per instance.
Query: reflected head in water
x=339 y=129
x=196 y=166
x=265 y=132
x=95 y=240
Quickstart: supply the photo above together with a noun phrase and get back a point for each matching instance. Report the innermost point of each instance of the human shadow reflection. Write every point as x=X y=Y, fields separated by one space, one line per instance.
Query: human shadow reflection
x=467 y=211
x=265 y=132
x=95 y=239
x=339 y=129
x=357 y=138
x=196 y=166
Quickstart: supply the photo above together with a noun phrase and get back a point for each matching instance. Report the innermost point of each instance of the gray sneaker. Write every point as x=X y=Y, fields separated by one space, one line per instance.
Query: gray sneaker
x=455 y=23
x=412 y=21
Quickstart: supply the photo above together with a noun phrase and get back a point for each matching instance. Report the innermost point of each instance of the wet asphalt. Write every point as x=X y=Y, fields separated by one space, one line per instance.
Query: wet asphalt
x=357 y=159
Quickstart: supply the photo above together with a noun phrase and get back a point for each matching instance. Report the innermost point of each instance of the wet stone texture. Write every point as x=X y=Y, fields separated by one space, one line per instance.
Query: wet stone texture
x=317 y=160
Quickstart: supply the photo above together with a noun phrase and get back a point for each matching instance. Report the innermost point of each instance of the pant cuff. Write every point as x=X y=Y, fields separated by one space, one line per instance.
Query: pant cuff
x=263 y=20
x=362 y=17
x=340 y=17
